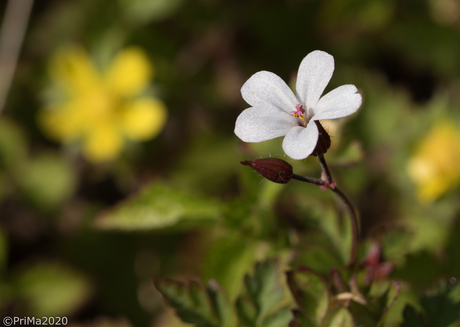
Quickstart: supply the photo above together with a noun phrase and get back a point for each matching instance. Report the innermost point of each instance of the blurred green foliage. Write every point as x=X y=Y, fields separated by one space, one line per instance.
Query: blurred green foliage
x=159 y=207
x=86 y=241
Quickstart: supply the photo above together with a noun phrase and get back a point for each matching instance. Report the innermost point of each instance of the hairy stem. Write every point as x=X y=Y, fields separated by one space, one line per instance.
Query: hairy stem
x=325 y=168
x=315 y=181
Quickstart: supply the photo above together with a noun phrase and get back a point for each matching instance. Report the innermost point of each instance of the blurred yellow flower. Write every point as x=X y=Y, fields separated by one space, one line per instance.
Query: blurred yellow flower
x=434 y=166
x=101 y=110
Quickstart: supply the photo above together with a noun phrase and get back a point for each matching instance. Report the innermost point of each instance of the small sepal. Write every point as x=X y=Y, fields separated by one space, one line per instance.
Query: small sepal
x=324 y=140
x=273 y=169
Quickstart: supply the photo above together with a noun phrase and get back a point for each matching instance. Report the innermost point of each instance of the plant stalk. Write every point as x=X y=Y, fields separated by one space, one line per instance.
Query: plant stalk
x=325 y=168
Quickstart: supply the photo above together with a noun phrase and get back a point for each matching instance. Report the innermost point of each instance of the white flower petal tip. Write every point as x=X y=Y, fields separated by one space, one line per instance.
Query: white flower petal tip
x=315 y=72
x=265 y=88
x=277 y=112
x=340 y=102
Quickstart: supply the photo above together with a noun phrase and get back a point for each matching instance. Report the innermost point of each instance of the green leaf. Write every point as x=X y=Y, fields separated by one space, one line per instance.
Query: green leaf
x=193 y=304
x=320 y=256
x=440 y=309
x=161 y=206
x=246 y=311
x=263 y=286
x=189 y=301
x=229 y=259
x=455 y=290
x=301 y=320
x=220 y=304
x=415 y=263
x=386 y=306
x=310 y=292
x=412 y=318
x=405 y=298
x=336 y=231
x=51 y=289
x=47 y=180
x=362 y=315
x=263 y=295
x=281 y=318
x=339 y=317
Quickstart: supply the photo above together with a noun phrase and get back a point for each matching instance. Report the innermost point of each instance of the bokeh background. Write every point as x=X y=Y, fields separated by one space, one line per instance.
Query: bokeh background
x=118 y=162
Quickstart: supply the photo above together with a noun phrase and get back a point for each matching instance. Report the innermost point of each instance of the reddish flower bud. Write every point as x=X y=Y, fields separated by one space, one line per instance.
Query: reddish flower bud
x=324 y=141
x=376 y=268
x=275 y=170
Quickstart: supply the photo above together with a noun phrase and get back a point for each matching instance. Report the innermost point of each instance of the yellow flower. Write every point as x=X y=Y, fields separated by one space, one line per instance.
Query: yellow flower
x=434 y=167
x=101 y=110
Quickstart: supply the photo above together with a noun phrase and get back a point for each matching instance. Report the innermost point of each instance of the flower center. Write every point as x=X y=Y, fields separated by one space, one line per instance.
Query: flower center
x=299 y=113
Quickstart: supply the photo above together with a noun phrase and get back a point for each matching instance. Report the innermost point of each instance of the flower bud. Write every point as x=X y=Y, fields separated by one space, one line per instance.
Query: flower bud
x=376 y=267
x=275 y=170
x=324 y=141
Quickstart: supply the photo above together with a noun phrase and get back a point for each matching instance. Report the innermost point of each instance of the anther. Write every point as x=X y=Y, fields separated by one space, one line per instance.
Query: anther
x=298 y=113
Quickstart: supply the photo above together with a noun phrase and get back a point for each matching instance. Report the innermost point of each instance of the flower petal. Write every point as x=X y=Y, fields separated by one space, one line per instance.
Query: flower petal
x=102 y=144
x=258 y=124
x=265 y=88
x=62 y=122
x=72 y=69
x=340 y=102
x=143 y=119
x=300 y=142
x=315 y=72
x=129 y=72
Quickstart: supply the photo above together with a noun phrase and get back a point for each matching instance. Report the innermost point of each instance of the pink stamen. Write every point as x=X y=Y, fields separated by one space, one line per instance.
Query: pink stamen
x=299 y=111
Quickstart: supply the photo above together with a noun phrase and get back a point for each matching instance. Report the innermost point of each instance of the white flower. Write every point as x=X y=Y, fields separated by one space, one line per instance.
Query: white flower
x=276 y=111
